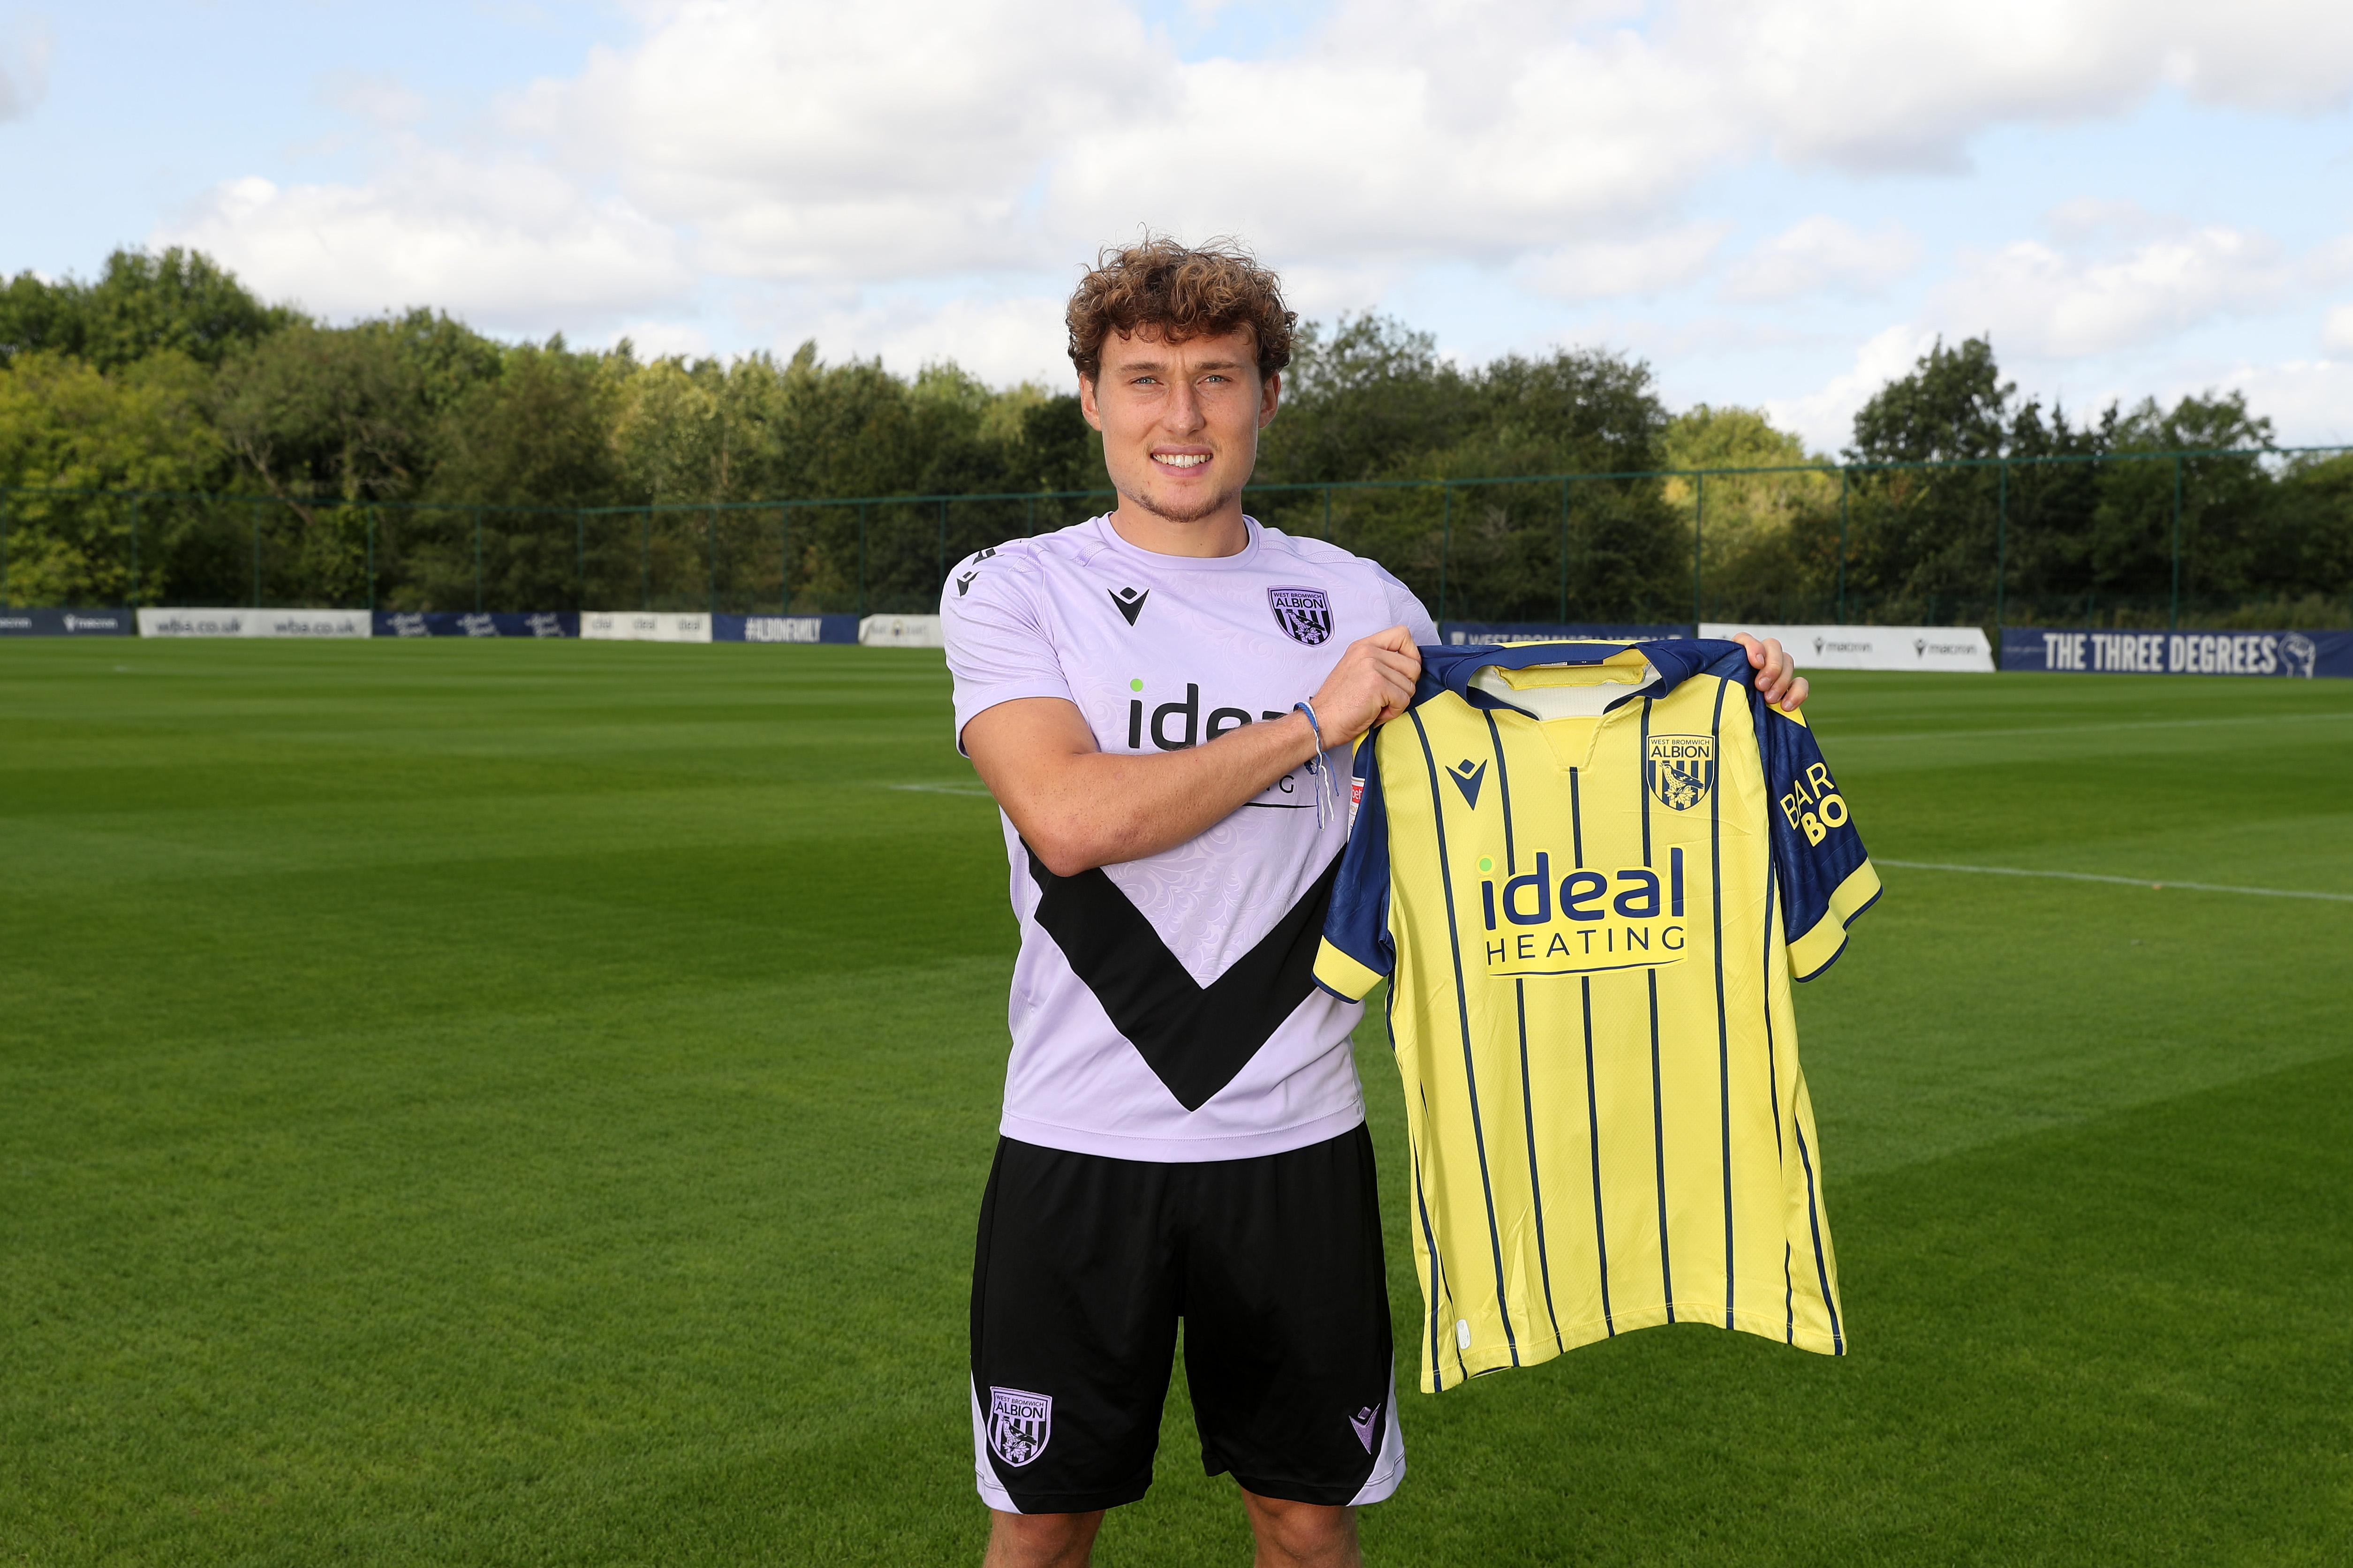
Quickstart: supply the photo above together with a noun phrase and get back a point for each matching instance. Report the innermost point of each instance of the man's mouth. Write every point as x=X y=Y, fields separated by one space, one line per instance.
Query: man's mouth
x=1181 y=460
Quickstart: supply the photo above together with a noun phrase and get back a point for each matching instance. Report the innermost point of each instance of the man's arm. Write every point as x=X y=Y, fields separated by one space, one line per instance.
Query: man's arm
x=1079 y=807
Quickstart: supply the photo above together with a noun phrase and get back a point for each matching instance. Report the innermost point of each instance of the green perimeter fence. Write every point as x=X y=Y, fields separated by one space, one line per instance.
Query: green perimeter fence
x=2135 y=538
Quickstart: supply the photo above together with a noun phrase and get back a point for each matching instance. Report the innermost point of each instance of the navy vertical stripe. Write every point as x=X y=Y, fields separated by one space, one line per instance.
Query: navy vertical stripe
x=1503 y=783
x=1436 y=1270
x=1821 y=1266
x=1642 y=779
x=1593 y=1133
x=1527 y=1096
x=1576 y=820
x=1773 y=1086
x=1462 y=1010
x=1659 y=1131
x=1536 y=1186
x=1722 y=1029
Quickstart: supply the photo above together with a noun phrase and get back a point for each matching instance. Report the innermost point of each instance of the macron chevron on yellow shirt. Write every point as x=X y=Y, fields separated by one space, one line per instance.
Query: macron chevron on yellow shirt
x=1589 y=872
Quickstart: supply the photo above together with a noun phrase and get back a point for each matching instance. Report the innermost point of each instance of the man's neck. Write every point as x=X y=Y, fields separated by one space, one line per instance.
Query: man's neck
x=1222 y=532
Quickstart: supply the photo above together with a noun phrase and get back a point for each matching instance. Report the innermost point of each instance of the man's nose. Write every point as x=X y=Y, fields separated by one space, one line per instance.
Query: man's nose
x=1185 y=407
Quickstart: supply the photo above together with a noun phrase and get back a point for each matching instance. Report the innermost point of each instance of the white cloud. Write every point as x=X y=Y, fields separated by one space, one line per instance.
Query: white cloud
x=1825 y=418
x=1820 y=253
x=24 y=69
x=2048 y=304
x=2309 y=402
x=507 y=242
x=2336 y=330
x=1000 y=339
x=1603 y=269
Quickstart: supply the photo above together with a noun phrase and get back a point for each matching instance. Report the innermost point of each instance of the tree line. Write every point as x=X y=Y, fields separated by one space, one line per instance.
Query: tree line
x=166 y=374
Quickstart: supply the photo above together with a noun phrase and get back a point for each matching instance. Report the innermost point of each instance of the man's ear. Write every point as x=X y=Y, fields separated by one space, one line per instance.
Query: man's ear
x=1270 y=394
x=1087 y=401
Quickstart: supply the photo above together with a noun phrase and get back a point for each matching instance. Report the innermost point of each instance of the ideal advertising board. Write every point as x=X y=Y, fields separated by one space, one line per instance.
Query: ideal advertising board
x=477 y=623
x=901 y=631
x=2090 y=652
x=645 y=625
x=68 y=622
x=203 y=622
x=1456 y=633
x=784 y=628
x=1953 y=649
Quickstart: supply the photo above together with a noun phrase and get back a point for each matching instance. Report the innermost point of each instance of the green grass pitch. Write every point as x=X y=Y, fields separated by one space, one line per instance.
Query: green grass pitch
x=526 y=1103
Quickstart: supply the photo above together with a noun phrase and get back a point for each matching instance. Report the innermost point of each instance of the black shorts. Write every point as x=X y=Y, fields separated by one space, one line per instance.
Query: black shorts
x=1084 y=1266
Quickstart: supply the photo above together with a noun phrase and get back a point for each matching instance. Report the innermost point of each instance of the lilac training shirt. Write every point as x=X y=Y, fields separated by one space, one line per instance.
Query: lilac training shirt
x=1164 y=1008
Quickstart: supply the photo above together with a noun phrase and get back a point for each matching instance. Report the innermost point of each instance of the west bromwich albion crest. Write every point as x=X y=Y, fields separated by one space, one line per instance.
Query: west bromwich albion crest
x=1303 y=613
x=1679 y=769
x=1021 y=1424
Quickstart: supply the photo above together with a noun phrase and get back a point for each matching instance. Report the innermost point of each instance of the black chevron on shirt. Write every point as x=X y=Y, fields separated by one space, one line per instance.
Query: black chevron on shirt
x=1194 y=1038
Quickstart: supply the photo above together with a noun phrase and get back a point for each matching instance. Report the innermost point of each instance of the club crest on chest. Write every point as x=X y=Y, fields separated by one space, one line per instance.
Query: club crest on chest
x=1303 y=613
x=1679 y=769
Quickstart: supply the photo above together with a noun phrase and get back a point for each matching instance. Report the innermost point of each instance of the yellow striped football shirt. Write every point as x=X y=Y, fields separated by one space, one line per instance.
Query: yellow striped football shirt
x=1589 y=872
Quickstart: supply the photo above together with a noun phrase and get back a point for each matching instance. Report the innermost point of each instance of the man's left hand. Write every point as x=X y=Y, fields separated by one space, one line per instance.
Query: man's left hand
x=1777 y=672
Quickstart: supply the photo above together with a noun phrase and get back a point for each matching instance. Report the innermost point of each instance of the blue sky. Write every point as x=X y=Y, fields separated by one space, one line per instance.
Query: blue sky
x=1776 y=203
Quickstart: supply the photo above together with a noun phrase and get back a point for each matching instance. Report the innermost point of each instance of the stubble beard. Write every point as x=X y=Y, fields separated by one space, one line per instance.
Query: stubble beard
x=1206 y=507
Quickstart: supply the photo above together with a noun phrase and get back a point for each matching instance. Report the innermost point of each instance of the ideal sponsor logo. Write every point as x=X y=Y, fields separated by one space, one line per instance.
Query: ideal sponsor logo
x=1195 y=721
x=1589 y=920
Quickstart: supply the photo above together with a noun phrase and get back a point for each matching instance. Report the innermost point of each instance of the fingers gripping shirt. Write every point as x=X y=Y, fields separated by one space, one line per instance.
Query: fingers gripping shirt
x=1591 y=872
x=1166 y=1008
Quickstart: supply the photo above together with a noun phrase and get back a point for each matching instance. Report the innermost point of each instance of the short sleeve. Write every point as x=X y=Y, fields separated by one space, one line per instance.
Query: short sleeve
x=1825 y=875
x=1407 y=611
x=998 y=650
x=1356 y=950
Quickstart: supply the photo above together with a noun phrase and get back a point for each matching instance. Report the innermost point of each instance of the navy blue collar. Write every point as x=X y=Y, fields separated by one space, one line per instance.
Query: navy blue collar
x=1676 y=660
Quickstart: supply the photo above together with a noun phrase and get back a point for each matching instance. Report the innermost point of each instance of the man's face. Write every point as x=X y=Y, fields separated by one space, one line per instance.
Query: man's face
x=1180 y=421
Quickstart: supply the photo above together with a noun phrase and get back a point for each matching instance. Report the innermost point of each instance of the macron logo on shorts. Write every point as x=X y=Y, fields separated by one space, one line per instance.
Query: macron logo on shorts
x=1020 y=1425
x=1366 y=1422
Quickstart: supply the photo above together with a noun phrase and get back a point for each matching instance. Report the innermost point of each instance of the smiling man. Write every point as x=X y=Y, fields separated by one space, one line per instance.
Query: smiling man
x=1160 y=700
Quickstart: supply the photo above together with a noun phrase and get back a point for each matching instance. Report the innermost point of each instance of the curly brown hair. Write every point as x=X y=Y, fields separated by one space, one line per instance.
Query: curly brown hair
x=1182 y=291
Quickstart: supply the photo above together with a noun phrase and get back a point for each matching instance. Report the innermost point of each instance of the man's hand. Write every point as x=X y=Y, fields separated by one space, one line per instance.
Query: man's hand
x=1373 y=683
x=1777 y=672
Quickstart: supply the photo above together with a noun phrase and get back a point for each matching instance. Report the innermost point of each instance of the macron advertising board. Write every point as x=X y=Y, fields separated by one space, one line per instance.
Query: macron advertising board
x=254 y=622
x=1953 y=649
x=2084 y=650
x=67 y=623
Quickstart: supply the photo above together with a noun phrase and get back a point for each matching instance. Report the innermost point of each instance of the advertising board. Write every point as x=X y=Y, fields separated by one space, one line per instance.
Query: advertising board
x=2087 y=651
x=65 y=623
x=901 y=631
x=1456 y=633
x=477 y=623
x=784 y=628
x=645 y=625
x=224 y=623
x=1953 y=649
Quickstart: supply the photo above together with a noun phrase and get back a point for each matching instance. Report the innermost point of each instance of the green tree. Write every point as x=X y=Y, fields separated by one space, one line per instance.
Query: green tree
x=142 y=304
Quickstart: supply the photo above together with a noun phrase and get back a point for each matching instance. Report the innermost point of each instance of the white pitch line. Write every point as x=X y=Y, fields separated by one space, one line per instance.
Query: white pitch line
x=2056 y=732
x=942 y=788
x=2120 y=881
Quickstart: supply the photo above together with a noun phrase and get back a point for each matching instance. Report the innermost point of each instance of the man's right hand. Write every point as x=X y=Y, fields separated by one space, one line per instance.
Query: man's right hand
x=1372 y=684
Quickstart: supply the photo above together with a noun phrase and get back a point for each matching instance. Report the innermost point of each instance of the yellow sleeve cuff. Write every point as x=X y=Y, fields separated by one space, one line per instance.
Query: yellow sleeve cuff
x=1339 y=973
x=1812 y=953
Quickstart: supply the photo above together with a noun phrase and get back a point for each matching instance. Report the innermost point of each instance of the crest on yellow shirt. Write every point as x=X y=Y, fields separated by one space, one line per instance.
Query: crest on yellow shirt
x=1679 y=769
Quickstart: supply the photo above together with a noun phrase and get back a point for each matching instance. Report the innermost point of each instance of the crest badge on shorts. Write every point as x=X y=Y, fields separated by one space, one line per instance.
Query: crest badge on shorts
x=1020 y=1425
x=1303 y=613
